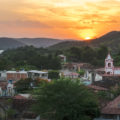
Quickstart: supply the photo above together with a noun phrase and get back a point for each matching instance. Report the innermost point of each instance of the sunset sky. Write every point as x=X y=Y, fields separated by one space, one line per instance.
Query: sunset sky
x=64 y=19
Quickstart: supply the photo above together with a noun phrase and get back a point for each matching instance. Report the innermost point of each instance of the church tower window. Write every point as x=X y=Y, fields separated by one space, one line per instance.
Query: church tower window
x=109 y=64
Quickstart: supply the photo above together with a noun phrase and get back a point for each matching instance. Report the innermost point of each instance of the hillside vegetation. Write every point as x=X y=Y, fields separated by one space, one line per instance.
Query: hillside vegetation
x=29 y=57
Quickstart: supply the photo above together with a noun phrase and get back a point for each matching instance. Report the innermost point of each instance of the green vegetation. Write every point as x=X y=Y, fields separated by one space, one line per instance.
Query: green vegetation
x=111 y=94
x=95 y=56
x=115 y=91
x=81 y=72
x=26 y=85
x=29 y=58
x=53 y=74
x=65 y=99
x=105 y=95
x=39 y=58
x=117 y=58
x=23 y=86
x=10 y=113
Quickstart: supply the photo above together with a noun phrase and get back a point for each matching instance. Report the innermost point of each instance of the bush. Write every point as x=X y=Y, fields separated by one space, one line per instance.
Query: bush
x=53 y=74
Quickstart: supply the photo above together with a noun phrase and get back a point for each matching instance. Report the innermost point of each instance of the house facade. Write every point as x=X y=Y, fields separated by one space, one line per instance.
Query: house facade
x=7 y=89
x=92 y=76
x=16 y=75
x=35 y=74
x=63 y=58
x=77 y=66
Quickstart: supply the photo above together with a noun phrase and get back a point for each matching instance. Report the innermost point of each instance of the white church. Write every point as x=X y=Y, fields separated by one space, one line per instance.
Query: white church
x=109 y=66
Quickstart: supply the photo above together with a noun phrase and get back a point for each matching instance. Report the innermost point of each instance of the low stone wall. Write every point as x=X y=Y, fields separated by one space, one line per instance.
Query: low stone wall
x=115 y=78
x=108 y=81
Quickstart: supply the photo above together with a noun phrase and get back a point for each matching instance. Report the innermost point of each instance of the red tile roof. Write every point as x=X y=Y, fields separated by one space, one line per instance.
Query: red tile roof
x=73 y=73
x=112 y=107
x=111 y=75
x=100 y=69
x=83 y=65
x=29 y=115
x=97 y=88
x=19 y=97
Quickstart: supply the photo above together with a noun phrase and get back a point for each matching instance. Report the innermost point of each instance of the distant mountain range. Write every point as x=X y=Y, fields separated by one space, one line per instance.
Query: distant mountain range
x=8 y=43
x=39 y=42
x=111 y=39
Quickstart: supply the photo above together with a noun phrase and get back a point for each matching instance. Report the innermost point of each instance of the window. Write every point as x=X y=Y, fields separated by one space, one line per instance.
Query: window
x=109 y=64
x=108 y=73
x=36 y=74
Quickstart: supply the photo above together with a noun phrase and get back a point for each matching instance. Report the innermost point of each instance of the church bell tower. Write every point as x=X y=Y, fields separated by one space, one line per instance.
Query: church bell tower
x=109 y=67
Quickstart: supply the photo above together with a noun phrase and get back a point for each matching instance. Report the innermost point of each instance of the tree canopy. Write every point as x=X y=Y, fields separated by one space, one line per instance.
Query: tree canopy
x=65 y=99
x=40 y=58
x=29 y=58
x=94 y=56
x=53 y=74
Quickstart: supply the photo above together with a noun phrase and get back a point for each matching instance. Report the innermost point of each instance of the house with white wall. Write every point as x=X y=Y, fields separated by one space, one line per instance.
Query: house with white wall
x=3 y=75
x=63 y=58
x=92 y=75
x=34 y=74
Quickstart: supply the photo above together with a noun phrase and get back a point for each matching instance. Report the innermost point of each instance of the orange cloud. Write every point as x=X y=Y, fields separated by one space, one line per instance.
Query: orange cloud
x=59 y=18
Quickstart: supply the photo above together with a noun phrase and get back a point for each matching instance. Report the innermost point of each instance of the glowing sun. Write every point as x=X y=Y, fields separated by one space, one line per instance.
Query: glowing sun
x=87 y=34
x=87 y=38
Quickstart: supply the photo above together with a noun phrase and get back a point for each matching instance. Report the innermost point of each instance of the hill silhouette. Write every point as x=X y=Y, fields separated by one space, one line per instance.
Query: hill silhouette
x=111 y=40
